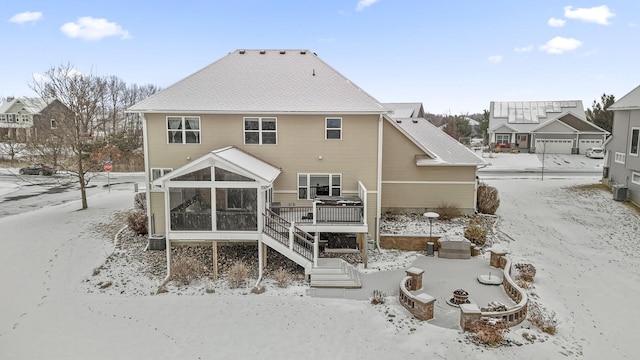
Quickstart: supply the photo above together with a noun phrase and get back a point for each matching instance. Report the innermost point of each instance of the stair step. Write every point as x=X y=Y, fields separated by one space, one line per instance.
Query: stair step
x=336 y=284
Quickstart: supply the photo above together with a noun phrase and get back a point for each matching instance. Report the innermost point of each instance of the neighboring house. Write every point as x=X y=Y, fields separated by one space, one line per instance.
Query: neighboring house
x=558 y=127
x=622 y=158
x=24 y=119
x=276 y=147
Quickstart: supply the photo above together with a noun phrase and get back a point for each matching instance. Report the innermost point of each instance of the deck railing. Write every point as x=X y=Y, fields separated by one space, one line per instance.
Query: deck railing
x=319 y=214
x=286 y=233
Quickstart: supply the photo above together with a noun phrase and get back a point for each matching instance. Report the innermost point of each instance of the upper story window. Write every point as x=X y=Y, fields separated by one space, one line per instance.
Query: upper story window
x=54 y=124
x=25 y=117
x=259 y=130
x=333 y=128
x=183 y=129
x=635 y=139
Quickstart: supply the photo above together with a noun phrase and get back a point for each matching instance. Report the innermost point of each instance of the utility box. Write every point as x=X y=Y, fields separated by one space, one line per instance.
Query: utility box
x=620 y=192
x=157 y=242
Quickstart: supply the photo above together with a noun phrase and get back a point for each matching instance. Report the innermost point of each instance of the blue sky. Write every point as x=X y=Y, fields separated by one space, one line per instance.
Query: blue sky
x=453 y=56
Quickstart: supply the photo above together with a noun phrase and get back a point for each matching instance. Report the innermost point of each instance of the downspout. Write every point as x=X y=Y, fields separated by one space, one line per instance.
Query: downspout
x=145 y=142
x=167 y=225
x=261 y=205
x=379 y=184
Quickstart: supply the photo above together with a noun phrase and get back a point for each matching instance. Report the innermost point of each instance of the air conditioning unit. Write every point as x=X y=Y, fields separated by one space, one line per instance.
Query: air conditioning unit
x=620 y=193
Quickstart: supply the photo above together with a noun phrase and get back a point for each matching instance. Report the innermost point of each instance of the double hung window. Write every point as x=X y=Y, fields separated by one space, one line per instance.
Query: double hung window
x=260 y=131
x=333 y=128
x=183 y=129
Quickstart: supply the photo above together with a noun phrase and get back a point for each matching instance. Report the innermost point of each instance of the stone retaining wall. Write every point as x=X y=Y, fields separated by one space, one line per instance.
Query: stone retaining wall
x=408 y=242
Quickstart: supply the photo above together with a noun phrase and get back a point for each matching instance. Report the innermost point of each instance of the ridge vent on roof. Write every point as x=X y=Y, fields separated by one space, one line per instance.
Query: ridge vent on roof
x=262 y=52
x=241 y=52
x=303 y=52
x=282 y=52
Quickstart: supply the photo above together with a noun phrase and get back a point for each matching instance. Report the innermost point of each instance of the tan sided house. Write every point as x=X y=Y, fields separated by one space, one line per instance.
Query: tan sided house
x=275 y=147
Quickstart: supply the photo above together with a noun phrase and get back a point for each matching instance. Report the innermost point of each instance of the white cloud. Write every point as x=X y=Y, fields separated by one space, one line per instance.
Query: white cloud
x=495 y=58
x=556 y=22
x=598 y=14
x=559 y=44
x=89 y=28
x=524 y=49
x=26 y=16
x=362 y=4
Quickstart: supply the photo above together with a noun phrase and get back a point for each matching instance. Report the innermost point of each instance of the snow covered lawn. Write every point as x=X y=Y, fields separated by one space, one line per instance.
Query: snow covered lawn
x=583 y=244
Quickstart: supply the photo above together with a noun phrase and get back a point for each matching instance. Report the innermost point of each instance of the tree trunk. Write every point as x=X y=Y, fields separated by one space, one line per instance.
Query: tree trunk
x=83 y=186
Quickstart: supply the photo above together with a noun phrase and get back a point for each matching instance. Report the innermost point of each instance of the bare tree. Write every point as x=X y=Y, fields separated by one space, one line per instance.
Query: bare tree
x=81 y=94
x=11 y=149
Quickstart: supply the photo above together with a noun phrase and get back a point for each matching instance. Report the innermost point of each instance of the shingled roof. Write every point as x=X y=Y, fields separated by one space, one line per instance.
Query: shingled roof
x=263 y=81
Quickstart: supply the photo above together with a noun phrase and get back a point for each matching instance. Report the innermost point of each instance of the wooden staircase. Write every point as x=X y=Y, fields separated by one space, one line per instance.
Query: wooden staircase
x=299 y=246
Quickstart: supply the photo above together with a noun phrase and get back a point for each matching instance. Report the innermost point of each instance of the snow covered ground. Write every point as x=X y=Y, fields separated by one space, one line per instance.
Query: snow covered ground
x=583 y=244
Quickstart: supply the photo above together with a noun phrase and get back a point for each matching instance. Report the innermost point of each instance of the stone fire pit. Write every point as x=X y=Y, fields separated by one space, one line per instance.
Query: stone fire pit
x=460 y=296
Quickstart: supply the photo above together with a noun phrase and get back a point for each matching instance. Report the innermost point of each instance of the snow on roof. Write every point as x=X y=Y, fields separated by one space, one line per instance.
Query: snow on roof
x=31 y=105
x=263 y=81
x=531 y=112
x=248 y=162
x=630 y=101
x=444 y=149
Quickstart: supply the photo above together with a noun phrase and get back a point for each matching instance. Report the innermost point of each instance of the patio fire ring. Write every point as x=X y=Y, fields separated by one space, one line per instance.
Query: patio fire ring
x=459 y=297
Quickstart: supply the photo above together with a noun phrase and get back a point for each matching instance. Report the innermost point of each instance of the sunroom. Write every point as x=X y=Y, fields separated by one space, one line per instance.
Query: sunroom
x=219 y=196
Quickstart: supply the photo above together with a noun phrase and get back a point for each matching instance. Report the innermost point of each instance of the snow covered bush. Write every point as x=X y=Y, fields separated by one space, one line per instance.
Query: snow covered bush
x=476 y=234
x=378 y=297
x=488 y=199
x=140 y=201
x=542 y=318
x=526 y=272
x=282 y=277
x=185 y=270
x=137 y=221
x=237 y=274
x=489 y=331
x=448 y=211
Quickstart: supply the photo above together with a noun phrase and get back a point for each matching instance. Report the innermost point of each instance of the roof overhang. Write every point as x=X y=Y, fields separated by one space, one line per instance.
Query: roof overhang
x=229 y=158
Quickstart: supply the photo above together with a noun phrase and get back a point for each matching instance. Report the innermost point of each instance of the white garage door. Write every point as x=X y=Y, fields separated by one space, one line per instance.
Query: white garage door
x=589 y=143
x=554 y=146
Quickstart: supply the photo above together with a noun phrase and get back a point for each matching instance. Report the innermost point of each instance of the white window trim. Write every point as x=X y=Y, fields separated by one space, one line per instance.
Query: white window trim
x=308 y=186
x=327 y=128
x=631 y=141
x=54 y=124
x=163 y=172
x=184 y=130
x=501 y=135
x=260 y=131
x=635 y=178
x=619 y=157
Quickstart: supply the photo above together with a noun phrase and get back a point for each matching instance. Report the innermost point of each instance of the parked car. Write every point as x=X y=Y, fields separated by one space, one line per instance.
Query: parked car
x=37 y=169
x=595 y=153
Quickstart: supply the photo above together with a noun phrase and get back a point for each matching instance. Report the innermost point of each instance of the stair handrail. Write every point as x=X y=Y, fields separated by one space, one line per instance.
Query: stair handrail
x=298 y=240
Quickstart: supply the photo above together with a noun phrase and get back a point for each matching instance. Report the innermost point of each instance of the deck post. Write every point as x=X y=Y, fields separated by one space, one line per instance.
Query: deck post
x=264 y=255
x=315 y=212
x=214 y=256
x=362 y=244
x=316 y=248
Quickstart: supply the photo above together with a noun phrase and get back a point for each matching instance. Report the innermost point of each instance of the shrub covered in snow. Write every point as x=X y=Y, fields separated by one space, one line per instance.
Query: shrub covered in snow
x=448 y=211
x=140 y=201
x=185 y=270
x=526 y=272
x=488 y=199
x=542 y=318
x=490 y=331
x=282 y=277
x=378 y=297
x=237 y=274
x=137 y=221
